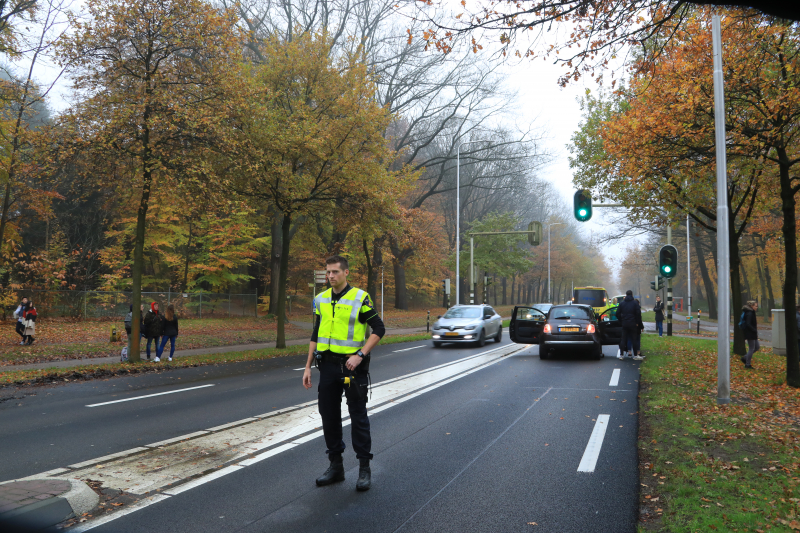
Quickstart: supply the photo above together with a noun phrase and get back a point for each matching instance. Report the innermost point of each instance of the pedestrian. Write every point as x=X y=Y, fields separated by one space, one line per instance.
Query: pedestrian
x=659 y=310
x=20 y=326
x=30 y=315
x=639 y=330
x=154 y=327
x=170 y=332
x=627 y=313
x=749 y=326
x=339 y=349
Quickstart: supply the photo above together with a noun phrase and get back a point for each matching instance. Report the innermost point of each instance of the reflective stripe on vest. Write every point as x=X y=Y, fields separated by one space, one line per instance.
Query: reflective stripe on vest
x=332 y=333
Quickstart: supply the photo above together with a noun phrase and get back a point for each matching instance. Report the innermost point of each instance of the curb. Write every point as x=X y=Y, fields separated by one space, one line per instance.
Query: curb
x=79 y=499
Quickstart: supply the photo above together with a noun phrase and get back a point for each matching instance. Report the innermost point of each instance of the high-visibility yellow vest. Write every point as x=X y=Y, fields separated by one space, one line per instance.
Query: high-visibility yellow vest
x=340 y=331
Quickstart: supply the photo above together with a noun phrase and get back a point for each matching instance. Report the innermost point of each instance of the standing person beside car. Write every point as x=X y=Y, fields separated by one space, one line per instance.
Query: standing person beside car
x=639 y=331
x=338 y=340
x=154 y=326
x=659 y=310
x=749 y=327
x=20 y=327
x=627 y=312
x=170 y=333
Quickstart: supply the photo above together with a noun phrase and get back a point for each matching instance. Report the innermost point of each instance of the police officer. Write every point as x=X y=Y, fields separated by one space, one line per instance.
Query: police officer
x=342 y=315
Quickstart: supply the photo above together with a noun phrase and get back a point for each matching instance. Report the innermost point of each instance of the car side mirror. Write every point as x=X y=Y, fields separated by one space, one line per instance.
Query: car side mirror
x=439 y=316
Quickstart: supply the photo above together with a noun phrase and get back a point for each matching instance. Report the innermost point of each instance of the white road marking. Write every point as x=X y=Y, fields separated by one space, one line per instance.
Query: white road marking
x=150 y=395
x=141 y=504
x=412 y=348
x=203 y=480
x=107 y=458
x=592 y=452
x=300 y=368
x=614 y=378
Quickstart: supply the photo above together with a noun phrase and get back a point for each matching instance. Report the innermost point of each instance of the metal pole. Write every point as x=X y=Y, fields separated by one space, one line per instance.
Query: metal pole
x=549 y=299
x=458 y=228
x=381 y=291
x=688 y=270
x=723 y=250
x=471 y=272
x=669 y=289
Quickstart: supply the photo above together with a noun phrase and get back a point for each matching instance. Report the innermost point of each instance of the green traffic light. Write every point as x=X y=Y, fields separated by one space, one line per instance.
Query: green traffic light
x=582 y=212
x=667 y=269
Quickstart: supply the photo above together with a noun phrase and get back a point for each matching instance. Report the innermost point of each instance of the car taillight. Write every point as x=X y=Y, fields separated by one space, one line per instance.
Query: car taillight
x=590 y=328
x=547 y=328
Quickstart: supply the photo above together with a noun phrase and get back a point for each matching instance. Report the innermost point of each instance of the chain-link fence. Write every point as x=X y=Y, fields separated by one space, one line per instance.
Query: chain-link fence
x=99 y=304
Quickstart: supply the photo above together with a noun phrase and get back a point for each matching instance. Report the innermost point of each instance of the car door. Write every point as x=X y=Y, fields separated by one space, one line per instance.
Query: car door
x=609 y=326
x=526 y=325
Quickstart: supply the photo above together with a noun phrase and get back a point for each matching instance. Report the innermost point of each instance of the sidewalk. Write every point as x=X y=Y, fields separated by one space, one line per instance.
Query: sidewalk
x=185 y=353
x=40 y=503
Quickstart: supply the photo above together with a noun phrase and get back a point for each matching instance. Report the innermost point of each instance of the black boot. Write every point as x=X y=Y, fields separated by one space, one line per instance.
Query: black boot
x=334 y=473
x=364 y=476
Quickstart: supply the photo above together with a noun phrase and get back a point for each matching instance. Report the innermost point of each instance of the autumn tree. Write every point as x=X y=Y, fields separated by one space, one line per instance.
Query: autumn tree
x=306 y=136
x=148 y=73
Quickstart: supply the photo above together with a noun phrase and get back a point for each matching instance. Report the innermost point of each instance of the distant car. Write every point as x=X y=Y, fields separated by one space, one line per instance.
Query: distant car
x=564 y=327
x=468 y=323
x=544 y=308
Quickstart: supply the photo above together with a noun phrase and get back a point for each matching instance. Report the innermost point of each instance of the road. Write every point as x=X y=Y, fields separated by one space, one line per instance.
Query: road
x=465 y=439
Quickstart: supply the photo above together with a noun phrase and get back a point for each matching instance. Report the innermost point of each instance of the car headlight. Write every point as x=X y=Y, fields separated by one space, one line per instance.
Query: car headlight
x=469 y=328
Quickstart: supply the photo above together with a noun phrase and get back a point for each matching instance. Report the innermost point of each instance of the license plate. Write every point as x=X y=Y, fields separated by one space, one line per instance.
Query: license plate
x=569 y=329
x=451 y=334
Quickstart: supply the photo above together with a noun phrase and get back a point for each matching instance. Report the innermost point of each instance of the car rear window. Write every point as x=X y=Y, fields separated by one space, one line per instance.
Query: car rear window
x=569 y=311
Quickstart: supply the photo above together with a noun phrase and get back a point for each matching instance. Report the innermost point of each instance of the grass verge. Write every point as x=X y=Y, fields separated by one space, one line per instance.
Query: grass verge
x=88 y=372
x=709 y=467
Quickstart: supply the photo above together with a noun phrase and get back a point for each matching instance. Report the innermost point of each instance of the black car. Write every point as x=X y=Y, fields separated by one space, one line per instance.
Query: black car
x=564 y=326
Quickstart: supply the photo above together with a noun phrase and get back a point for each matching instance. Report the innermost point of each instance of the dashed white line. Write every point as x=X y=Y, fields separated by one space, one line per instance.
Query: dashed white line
x=407 y=349
x=614 y=378
x=150 y=395
x=592 y=452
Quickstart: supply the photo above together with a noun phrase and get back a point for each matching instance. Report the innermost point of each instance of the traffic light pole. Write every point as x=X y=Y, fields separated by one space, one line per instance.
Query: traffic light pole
x=669 y=290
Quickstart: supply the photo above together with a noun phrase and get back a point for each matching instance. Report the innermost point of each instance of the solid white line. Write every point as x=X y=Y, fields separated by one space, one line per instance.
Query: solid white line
x=407 y=349
x=300 y=368
x=203 y=480
x=592 y=453
x=232 y=424
x=150 y=395
x=614 y=378
x=268 y=454
x=107 y=458
x=177 y=439
x=141 y=504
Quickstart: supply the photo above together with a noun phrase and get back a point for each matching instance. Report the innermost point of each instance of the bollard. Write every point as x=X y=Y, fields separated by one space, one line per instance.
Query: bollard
x=114 y=337
x=428 y=325
x=698 y=322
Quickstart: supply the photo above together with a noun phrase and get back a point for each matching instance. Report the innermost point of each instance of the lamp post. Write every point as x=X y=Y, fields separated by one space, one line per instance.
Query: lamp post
x=458 y=216
x=549 y=291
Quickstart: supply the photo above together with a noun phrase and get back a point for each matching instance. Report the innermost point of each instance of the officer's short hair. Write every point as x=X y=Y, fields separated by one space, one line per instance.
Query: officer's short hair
x=343 y=264
x=629 y=293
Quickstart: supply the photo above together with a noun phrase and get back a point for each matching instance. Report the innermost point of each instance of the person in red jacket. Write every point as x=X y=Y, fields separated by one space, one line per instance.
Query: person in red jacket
x=29 y=314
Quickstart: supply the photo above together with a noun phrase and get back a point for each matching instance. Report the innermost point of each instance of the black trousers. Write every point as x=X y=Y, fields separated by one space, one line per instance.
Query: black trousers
x=331 y=372
x=21 y=329
x=632 y=333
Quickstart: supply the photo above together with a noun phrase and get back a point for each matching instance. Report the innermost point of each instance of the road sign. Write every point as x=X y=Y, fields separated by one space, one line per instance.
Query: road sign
x=320 y=276
x=689 y=318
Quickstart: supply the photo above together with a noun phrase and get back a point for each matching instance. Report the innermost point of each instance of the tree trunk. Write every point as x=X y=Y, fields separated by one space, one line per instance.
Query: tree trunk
x=764 y=308
x=513 y=286
x=275 y=262
x=790 y=249
x=748 y=293
x=505 y=301
x=711 y=295
x=138 y=261
x=770 y=294
x=739 y=344
x=185 y=284
x=370 y=269
x=283 y=273
x=400 y=290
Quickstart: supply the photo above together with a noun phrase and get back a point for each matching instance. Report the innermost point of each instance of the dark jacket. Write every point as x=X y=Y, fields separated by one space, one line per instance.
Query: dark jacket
x=659 y=309
x=129 y=322
x=797 y=317
x=153 y=324
x=750 y=328
x=628 y=311
x=639 y=323
x=171 y=327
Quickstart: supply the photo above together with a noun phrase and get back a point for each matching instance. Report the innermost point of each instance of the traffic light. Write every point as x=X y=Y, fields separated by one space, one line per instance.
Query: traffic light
x=668 y=261
x=582 y=205
x=534 y=233
x=658 y=284
x=446 y=286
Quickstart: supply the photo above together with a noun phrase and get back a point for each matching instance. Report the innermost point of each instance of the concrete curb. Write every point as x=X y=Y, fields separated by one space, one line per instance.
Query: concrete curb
x=79 y=499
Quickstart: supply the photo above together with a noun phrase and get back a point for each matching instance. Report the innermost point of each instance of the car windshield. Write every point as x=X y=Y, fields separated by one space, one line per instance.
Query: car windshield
x=463 y=312
x=593 y=297
x=569 y=311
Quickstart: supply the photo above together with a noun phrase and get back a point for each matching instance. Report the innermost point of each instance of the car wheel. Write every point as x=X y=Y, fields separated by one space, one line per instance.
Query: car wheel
x=544 y=352
x=597 y=351
x=437 y=344
x=499 y=336
x=482 y=338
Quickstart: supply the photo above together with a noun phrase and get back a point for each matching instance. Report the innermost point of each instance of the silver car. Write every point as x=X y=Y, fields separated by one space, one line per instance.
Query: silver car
x=468 y=323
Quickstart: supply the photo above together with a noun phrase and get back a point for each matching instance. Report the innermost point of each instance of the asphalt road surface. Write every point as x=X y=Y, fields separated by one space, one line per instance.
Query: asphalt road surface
x=465 y=439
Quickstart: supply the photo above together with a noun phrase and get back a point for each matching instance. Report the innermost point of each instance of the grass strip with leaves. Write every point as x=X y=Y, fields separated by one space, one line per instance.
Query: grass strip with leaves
x=105 y=370
x=709 y=467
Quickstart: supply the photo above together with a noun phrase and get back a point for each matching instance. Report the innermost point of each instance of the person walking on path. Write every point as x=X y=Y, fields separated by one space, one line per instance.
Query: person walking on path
x=30 y=315
x=659 y=310
x=627 y=312
x=154 y=326
x=338 y=347
x=170 y=333
x=749 y=328
x=20 y=319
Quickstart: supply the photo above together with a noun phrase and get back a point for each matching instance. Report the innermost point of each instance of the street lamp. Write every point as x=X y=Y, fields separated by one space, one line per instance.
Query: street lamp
x=458 y=216
x=549 y=291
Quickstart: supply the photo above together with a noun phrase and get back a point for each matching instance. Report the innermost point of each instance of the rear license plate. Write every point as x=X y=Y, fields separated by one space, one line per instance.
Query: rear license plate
x=569 y=329
x=451 y=334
